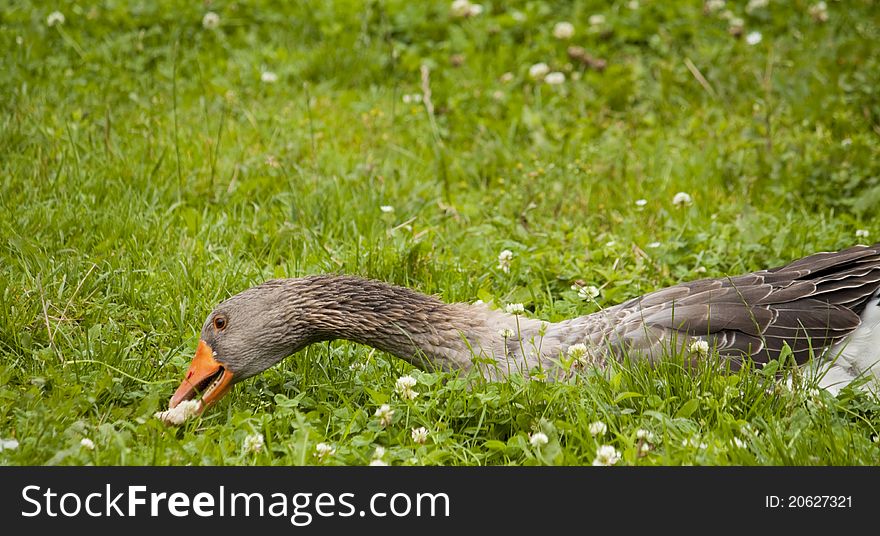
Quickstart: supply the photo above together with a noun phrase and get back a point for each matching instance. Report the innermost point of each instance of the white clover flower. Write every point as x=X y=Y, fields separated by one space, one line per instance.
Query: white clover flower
x=606 y=455
x=693 y=442
x=598 y=428
x=576 y=351
x=506 y=333
x=645 y=435
x=653 y=245
x=406 y=382
x=504 y=259
x=753 y=38
x=463 y=8
x=323 y=450
x=538 y=439
x=755 y=5
x=179 y=413
x=408 y=394
x=588 y=292
x=419 y=435
x=378 y=454
x=460 y=8
x=8 y=444
x=715 y=5
x=819 y=11
x=539 y=70
x=56 y=17
x=641 y=202
x=596 y=20
x=404 y=387
x=506 y=77
x=862 y=233
x=514 y=308
x=87 y=443
x=563 y=30
x=269 y=77
x=699 y=346
x=387 y=209
x=385 y=413
x=555 y=78
x=211 y=20
x=682 y=198
x=633 y=4
x=253 y=443
x=736 y=24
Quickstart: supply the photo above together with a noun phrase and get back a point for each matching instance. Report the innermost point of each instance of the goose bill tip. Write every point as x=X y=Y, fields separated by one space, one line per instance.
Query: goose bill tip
x=206 y=377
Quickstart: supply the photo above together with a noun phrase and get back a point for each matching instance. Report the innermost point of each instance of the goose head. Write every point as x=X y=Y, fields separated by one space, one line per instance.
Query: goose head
x=241 y=337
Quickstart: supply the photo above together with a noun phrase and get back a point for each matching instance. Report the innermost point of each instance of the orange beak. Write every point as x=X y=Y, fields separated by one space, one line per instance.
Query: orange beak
x=205 y=377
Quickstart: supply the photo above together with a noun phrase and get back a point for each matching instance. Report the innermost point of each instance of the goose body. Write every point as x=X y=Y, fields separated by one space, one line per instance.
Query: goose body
x=825 y=306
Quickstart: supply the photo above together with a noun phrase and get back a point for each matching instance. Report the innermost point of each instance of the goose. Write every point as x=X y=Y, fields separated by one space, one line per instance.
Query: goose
x=825 y=306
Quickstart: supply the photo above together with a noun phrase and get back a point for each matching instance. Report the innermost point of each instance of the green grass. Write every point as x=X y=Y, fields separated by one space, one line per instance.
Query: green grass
x=146 y=172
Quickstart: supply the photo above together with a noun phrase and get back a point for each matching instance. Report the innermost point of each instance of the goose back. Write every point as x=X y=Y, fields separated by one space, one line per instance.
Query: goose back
x=810 y=305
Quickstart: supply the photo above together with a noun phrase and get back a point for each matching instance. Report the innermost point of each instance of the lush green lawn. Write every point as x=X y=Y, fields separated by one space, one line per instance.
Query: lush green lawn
x=150 y=167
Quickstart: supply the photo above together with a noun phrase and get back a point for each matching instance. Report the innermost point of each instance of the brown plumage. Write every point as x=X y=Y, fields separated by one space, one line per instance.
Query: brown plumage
x=825 y=304
x=814 y=302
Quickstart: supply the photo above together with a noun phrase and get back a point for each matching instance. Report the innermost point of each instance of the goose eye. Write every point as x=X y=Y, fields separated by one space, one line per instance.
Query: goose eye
x=220 y=323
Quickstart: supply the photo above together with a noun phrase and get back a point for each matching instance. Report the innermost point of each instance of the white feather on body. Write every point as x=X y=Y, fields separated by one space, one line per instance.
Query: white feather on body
x=857 y=355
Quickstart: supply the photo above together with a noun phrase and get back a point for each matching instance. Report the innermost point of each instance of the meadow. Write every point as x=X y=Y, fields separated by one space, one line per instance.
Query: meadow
x=157 y=157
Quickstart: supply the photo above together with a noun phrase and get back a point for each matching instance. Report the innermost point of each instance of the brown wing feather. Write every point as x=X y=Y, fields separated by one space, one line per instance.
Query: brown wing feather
x=809 y=304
